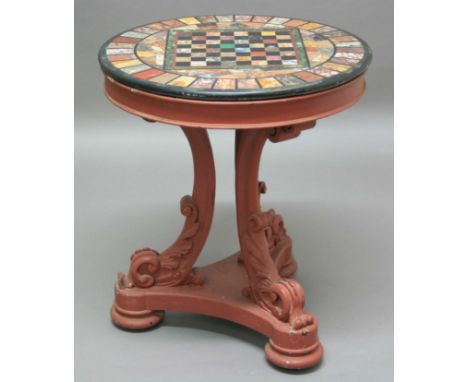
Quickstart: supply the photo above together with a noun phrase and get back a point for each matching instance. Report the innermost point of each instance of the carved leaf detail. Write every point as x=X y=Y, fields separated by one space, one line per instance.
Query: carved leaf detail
x=149 y=268
x=283 y=297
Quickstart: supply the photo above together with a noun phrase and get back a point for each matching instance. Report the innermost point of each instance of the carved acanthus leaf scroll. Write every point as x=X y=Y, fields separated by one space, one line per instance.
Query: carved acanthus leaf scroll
x=279 y=243
x=149 y=268
x=266 y=240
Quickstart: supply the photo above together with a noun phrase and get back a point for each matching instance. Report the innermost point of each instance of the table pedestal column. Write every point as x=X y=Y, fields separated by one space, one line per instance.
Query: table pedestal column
x=252 y=287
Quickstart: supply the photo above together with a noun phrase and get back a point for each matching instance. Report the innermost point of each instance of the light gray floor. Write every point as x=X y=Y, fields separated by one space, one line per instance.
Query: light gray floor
x=333 y=185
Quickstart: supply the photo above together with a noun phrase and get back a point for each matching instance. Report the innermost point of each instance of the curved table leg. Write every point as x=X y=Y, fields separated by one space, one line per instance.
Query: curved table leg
x=254 y=292
x=173 y=266
x=249 y=148
x=266 y=254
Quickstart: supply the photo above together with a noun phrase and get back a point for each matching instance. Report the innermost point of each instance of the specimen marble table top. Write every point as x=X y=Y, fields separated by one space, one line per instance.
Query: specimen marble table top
x=234 y=58
x=269 y=78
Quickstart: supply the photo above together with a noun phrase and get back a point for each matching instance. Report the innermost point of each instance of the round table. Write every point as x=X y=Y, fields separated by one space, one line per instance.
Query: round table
x=269 y=78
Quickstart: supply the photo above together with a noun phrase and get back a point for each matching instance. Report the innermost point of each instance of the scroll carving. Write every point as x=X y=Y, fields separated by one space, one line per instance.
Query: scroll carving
x=279 y=243
x=149 y=268
x=267 y=244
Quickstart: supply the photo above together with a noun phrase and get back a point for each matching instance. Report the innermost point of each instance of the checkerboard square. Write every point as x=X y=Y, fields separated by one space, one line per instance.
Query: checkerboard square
x=230 y=49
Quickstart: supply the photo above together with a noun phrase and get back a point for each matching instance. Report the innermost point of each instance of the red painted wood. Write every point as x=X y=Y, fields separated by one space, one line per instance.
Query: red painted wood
x=174 y=265
x=237 y=114
x=254 y=287
x=220 y=296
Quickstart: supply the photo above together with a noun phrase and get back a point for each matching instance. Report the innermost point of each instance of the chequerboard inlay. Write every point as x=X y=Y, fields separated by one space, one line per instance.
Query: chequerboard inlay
x=234 y=57
x=234 y=49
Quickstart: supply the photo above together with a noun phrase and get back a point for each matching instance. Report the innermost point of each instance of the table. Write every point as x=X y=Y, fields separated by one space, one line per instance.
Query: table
x=269 y=78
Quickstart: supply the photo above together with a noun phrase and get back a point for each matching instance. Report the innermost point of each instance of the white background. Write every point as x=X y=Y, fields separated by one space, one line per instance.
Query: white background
x=36 y=149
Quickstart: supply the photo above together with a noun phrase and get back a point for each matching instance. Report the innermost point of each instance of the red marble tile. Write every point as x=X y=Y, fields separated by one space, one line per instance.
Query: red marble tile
x=148 y=73
x=127 y=39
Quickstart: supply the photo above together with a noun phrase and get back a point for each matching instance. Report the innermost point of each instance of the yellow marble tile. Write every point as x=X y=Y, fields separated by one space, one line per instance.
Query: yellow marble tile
x=146 y=54
x=318 y=44
x=310 y=26
x=337 y=67
x=343 y=38
x=269 y=82
x=182 y=81
x=124 y=64
x=189 y=20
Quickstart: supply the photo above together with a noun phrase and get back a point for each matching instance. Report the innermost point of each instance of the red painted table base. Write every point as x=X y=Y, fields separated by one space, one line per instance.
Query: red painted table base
x=251 y=288
x=254 y=287
x=221 y=295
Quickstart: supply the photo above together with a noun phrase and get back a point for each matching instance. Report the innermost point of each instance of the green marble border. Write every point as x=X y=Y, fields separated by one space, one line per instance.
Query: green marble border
x=168 y=53
x=296 y=33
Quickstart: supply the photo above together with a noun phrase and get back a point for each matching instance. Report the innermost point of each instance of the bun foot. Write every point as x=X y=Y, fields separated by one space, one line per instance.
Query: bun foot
x=294 y=358
x=134 y=320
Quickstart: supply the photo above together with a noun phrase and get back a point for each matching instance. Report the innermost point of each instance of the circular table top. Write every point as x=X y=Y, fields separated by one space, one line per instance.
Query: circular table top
x=229 y=58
